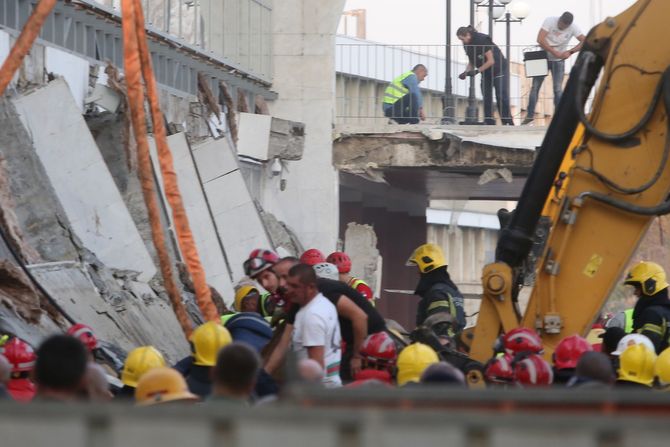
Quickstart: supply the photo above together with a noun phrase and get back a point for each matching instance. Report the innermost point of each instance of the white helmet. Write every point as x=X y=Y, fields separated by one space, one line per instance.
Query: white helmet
x=327 y=270
x=633 y=339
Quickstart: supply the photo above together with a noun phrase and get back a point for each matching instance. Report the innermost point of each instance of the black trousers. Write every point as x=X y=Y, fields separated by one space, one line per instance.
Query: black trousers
x=497 y=80
x=404 y=111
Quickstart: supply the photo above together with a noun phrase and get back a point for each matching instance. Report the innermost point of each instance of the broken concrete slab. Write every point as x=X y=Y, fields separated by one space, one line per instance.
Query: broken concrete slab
x=360 y=243
x=263 y=137
x=73 y=69
x=40 y=216
x=81 y=178
x=198 y=210
x=237 y=220
x=124 y=319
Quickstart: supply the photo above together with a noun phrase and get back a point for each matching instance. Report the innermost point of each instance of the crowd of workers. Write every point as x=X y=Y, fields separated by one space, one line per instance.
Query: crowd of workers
x=311 y=316
x=403 y=101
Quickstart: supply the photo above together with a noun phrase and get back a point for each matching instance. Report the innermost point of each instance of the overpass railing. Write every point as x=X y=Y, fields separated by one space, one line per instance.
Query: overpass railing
x=364 y=69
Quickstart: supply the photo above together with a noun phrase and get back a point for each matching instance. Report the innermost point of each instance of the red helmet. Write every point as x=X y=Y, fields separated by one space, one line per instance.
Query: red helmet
x=258 y=261
x=533 y=370
x=20 y=355
x=379 y=350
x=521 y=340
x=500 y=369
x=341 y=260
x=85 y=334
x=569 y=350
x=312 y=257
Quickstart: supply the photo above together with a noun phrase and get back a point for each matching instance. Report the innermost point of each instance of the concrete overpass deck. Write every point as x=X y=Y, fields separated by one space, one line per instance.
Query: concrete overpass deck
x=435 y=162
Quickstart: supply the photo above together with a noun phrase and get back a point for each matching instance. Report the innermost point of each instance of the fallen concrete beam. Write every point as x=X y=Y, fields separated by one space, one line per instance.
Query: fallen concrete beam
x=197 y=209
x=459 y=148
x=81 y=179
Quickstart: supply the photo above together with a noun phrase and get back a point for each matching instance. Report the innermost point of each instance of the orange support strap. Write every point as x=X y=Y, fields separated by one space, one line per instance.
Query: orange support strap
x=25 y=42
x=132 y=65
x=170 y=184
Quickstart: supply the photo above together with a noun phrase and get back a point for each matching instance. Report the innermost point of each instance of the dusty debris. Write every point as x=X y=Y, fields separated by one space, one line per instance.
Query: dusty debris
x=18 y=293
x=280 y=234
x=360 y=243
x=492 y=174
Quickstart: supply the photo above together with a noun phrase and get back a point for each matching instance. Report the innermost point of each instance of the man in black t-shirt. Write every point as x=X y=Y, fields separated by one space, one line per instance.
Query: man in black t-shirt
x=485 y=57
x=357 y=318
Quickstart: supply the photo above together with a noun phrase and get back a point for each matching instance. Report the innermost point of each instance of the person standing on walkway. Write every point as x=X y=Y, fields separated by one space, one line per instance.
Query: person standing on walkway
x=485 y=58
x=403 y=102
x=554 y=36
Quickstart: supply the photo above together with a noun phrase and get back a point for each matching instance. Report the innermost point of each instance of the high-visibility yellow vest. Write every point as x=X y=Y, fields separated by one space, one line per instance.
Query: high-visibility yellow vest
x=628 y=313
x=396 y=89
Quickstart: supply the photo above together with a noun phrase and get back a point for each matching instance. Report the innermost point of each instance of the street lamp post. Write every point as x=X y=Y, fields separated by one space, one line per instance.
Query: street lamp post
x=472 y=111
x=449 y=112
x=519 y=12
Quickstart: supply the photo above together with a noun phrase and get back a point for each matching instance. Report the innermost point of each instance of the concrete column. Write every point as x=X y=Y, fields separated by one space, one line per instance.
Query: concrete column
x=304 y=78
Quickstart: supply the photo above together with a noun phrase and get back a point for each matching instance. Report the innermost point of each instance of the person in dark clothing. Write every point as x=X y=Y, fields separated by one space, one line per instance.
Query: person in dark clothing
x=594 y=370
x=438 y=292
x=651 y=316
x=485 y=58
x=60 y=368
x=206 y=342
x=235 y=374
x=357 y=317
x=5 y=375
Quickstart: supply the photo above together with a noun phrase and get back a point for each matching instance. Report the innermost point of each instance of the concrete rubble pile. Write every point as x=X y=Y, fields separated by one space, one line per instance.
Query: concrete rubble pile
x=74 y=220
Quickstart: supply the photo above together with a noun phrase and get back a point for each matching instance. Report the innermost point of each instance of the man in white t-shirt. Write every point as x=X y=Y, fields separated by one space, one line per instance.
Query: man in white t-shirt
x=554 y=37
x=316 y=331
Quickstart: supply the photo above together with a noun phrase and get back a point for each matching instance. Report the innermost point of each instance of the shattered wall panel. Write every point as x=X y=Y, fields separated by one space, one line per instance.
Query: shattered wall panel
x=39 y=212
x=81 y=178
x=234 y=211
x=195 y=203
x=126 y=317
x=74 y=69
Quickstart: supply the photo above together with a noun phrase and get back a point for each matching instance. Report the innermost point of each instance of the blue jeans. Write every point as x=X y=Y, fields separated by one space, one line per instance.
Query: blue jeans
x=557 y=69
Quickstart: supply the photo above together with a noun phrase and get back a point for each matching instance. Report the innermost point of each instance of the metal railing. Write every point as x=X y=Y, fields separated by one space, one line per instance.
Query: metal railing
x=236 y=30
x=364 y=70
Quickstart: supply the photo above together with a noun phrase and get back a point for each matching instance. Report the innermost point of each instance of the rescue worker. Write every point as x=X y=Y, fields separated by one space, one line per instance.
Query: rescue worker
x=500 y=370
x=413 y=361
x=594 y=370
x=258 y=267
x=567 y=355
x=22 y=360
x=379 y=354
x=651 y=315
x=250 y=299
x=312 y=257
x=533 y=371
x=437 y=291
x=636 y=367
x=162 y=385
x=343 y=263
x=206 y=342
x=443 y=374
x=85 y=334
x=403 y=102
x=139 y=361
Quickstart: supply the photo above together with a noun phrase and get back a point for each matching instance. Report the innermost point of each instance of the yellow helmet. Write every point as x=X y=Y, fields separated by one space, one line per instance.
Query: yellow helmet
x=139 y=361
x=662 y=368
x=207 y=340
x=649 y=276
x=427 y=257
x=241 y=293
x=413 y=360
x=162 y=385
x=636 y=364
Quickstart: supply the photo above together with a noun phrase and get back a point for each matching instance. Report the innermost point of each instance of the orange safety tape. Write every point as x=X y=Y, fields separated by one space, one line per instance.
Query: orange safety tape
x=25 y=41
x=170 y=184
x=132 y=66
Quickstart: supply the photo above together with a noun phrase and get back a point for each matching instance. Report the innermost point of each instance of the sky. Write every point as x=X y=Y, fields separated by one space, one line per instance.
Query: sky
x=422 y=22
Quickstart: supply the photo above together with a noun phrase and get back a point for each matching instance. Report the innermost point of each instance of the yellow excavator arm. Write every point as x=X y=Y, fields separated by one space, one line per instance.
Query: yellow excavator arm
x=600 y=178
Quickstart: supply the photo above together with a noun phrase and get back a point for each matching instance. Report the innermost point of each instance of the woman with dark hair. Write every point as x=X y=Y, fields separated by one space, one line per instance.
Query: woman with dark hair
x=486 y=58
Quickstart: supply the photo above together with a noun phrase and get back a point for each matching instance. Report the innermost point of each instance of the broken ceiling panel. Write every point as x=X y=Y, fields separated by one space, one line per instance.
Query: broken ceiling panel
x=81 y=178
x=237 y=219
x=198 y=212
